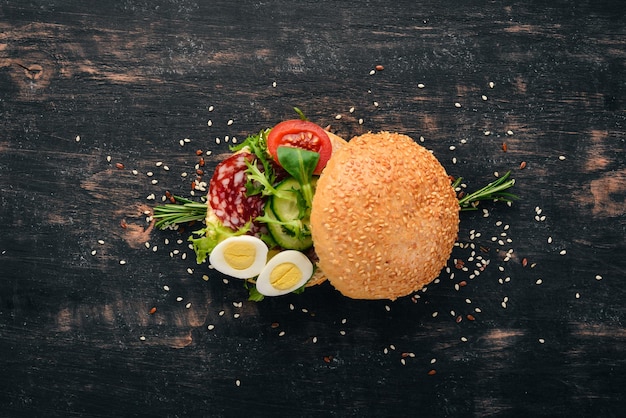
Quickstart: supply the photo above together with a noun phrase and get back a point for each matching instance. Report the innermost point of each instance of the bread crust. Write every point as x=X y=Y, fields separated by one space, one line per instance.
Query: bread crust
x=384 y=217
x=319 y=276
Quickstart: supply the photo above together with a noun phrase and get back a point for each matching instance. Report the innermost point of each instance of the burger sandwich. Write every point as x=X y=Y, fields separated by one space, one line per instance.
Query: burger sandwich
x=296 y=205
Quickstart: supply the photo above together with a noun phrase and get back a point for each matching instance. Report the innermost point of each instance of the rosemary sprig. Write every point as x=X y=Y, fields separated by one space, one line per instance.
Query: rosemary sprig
x=179 y=213
x=496 y=191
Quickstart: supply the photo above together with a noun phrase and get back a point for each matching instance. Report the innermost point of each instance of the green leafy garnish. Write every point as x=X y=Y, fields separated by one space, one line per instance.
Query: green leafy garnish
x=300 y=113
x=496 y=191
x=259 y=181
x=253 y=294
x=300 y=164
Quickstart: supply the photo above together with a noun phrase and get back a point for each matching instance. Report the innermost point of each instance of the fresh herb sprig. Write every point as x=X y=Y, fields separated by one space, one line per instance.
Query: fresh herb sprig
x=183 y=211
x=496 y=191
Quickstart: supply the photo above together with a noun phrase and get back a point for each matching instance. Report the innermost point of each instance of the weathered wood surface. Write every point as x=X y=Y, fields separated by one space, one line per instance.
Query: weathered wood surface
x=87 y=85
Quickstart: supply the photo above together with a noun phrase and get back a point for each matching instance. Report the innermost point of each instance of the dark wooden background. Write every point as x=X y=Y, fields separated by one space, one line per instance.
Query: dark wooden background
x=85 y=85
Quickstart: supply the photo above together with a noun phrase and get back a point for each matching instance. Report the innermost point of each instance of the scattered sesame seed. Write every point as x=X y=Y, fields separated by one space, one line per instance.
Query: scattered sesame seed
x=483 y=97
x=210 y=327
x=77 y=138
x=492 y=84
x=209 y=122
x=563 y=252
x=101 y=242
x=420 y=85
x=211 y=108
x=509 y=132
x=189 y=270
x=337 y=117
x=598 y=277
x=541 y=340
x=577 y=295
x=238 y=382
x=281 y=334
x=457 y=104
x=93 y=252
x=142 y=338
x=464 y=339
x=372 y=72
x=274 y=84
x=538 y=282
x=122 y=262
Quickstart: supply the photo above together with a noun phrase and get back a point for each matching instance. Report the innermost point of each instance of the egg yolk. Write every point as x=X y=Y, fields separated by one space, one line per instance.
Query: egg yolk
x=285 y=276
x=240 y=255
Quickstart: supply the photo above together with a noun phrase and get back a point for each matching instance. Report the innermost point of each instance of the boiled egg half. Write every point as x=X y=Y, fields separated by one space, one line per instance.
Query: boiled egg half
x=285 y=272
x=241 y=257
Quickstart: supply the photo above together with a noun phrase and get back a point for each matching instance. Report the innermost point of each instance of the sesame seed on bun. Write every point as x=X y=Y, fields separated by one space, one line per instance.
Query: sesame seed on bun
x=384 y=217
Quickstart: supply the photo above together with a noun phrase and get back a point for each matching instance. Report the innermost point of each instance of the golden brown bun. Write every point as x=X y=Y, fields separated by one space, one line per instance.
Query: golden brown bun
x=336 y=140
x=318 y=276
x=384 y=217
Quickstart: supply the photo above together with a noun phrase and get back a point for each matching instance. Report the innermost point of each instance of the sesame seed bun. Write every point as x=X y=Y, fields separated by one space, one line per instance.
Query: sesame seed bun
x=384 y=217
x=319 y=276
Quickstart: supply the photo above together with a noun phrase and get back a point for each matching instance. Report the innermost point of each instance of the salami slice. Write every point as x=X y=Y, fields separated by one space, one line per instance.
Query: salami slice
x=227 y=192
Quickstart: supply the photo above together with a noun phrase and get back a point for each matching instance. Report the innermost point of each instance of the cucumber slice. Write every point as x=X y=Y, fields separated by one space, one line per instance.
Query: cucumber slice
x=287 y=209
x=284 y=237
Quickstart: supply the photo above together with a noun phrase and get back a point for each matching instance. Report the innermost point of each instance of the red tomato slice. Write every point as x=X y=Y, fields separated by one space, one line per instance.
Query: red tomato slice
x=301 y=134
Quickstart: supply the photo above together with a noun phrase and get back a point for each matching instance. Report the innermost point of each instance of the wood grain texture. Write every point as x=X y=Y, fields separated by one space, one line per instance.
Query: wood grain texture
x=535 y=330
